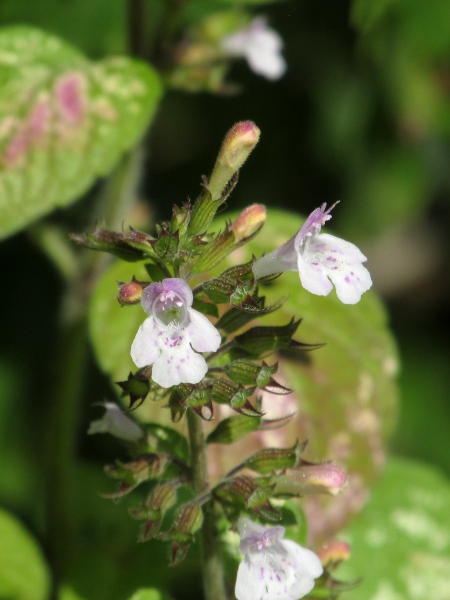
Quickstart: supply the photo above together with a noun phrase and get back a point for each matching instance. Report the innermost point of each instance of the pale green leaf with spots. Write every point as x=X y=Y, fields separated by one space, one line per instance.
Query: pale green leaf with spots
x=24 y=573
x=64 y=121
x=400 y=544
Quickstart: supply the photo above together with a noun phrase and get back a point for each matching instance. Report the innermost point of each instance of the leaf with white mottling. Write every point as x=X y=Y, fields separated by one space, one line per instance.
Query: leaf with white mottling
x=401 y=542
x=64 y=121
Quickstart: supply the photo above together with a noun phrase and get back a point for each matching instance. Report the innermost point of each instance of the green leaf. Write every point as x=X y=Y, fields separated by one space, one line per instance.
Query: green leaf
x=64 y=121
x=24 y=574
x=166 y=439
x=401 y=542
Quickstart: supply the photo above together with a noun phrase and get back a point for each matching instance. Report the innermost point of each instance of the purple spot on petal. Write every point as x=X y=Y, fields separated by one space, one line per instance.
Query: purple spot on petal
x=331 y=258
x=347 y=279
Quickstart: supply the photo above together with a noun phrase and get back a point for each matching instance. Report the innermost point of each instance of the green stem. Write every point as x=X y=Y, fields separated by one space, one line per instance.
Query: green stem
x=212 y=562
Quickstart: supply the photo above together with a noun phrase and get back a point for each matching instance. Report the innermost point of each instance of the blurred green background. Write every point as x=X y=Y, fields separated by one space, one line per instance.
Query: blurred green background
x=362 y=115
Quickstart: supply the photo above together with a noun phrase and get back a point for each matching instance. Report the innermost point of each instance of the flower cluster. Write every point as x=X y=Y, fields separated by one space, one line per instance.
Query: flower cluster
x=191 y=362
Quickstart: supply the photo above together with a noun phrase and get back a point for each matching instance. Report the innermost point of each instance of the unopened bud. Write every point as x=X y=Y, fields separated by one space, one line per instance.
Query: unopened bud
x=333 y=553
x=249 y=222
x=130 y=293
x=116 y=423
x=236 y=147
x=314 y=479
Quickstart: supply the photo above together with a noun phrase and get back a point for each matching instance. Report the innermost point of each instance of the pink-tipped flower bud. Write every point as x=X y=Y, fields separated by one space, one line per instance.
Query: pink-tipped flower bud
x=311 y=479
x=236 y=148
x=334 y=553
x=248 y=222
x=130 y=293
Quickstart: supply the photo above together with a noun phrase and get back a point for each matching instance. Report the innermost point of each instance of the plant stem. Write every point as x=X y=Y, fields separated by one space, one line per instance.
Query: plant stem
x=212 y=563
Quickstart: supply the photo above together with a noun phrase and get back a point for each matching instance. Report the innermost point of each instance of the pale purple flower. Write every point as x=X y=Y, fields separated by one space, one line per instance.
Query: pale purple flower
x=273 y=568
x=168 y=338
x=115 y=422
x=260 y=45
x=322 y=261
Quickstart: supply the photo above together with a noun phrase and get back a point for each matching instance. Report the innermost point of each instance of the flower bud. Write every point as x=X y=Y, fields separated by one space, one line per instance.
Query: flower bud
x=115 y=422
x=334 y=553
x=236 y=147
x=314 y=479
x=130 y=293
x=248 y=222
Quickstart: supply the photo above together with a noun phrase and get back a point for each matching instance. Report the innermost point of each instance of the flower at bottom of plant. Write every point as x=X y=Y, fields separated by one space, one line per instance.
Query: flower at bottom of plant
x=321 y=260
x=260 y=45
x=273 y=568
x=169 y=337
x=116 y=423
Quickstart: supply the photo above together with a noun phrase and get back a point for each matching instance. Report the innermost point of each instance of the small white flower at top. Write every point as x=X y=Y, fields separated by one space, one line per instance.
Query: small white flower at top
x=273 y=568
x=321 y=260
x=173 y=330
x=260 y=45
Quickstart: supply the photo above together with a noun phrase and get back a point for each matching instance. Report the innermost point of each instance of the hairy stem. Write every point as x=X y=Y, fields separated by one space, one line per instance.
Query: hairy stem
x=212 y=563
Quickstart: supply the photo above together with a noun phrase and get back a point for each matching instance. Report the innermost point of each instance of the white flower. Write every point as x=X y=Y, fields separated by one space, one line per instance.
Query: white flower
x=168 y=338
x=115 y=422
x=273 y=568
x=260 y=45
x=321 y=260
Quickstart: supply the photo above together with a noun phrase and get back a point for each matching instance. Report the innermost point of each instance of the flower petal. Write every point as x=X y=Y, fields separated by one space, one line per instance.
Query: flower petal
x=145 y=347
x=203 y=336
x=272 y=574
x=306 y=566
x=327 y=257
x=116 y=422
x=263 y=55
x=178 y=363
x=261 y=46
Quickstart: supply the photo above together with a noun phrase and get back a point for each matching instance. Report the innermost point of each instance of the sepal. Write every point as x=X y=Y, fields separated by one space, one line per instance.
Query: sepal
x=232 y=429
x=129 y=247
x=166 y=246
x=133 y=473
x=188 y=519
x=152 y=510
x=197 y=398
x=262 y=340
x=249 y=493
x=235 y=395
x=137 y=386
x=268 y=460
x=249 y=373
